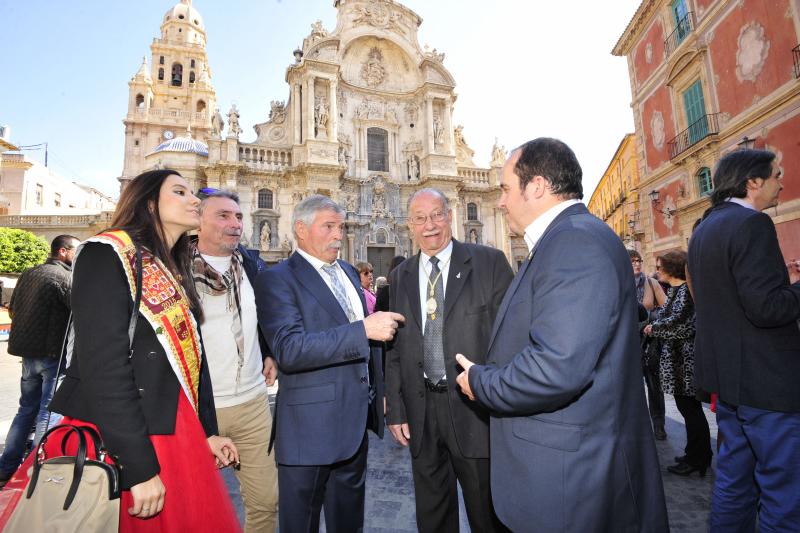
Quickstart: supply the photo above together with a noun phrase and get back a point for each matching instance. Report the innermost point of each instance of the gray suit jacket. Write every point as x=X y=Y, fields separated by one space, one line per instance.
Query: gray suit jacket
x=477 y=280
x=571 y=443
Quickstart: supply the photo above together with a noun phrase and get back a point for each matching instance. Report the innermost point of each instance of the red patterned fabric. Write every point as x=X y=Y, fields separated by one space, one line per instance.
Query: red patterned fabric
x=196 y=498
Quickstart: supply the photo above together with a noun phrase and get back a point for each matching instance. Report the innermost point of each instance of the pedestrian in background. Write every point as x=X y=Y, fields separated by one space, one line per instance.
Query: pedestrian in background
x=366 y=276
x=748 y=346
x=673 y=331
x=650 y=294
x=39 y=310
x=224 y=273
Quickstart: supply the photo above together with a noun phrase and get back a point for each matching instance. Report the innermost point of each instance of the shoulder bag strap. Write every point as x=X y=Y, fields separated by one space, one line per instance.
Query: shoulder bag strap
x=137 y=300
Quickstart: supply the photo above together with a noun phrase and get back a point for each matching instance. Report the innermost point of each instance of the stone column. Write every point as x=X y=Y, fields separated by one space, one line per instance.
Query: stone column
x=429 y=122
x=333 y=111
x=310 y=108
x=447 y=124
x=350 y=245
x=297 y=112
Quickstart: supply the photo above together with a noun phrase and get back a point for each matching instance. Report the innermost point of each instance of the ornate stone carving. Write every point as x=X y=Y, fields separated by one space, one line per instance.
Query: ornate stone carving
x=233 y=122
x=345 y=145
x=317 y=31
x=391 y=115
x=458 y=134
x=321 y=117
x=266 y=232
x=657 y=130
x=217 y=123
x=277 y=134
x=371 y=109
x=498 y=154
x=438 y=130
x=373 y=72
x=433 y=55
x=277 y=113
x=379 y=15
x=752 y=51
x=412 y=112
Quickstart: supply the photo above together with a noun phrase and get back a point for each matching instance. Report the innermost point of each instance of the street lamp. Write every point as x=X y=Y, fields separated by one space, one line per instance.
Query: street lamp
x=746 y=143
x=298 y=55
x=656 y=202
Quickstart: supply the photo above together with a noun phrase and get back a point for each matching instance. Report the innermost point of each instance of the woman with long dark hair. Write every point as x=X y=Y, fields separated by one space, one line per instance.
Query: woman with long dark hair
x=673 y=331
x=152 y=404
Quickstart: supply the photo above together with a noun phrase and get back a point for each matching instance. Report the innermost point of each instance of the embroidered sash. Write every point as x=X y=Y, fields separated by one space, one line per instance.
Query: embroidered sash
x=165 y=306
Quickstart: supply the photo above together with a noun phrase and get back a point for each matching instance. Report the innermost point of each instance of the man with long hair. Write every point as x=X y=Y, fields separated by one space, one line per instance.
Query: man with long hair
x=747 y=346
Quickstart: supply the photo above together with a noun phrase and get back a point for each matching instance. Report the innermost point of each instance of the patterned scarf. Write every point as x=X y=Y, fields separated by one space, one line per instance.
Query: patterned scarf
x=208 y=281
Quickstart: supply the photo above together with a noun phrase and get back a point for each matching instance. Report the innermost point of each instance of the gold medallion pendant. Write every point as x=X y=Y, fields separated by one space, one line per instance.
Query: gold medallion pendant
x=430 y=306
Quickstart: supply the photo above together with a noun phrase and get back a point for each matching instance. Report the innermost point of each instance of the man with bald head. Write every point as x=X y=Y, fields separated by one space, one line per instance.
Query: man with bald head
x=450 y=292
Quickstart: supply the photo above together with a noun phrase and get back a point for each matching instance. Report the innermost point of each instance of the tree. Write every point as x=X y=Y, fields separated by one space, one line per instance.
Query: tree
x=21 y=250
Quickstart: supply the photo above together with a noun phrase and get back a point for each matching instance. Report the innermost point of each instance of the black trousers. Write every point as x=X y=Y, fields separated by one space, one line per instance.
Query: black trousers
x=655 y=394
x=339 y=487
x=437 y=467
x=698 y=436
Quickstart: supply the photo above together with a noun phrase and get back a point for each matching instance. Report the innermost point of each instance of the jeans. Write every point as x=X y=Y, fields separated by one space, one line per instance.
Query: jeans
x=36 y=387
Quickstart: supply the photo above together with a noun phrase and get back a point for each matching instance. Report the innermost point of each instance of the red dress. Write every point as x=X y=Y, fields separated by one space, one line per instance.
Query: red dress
x=196 y=497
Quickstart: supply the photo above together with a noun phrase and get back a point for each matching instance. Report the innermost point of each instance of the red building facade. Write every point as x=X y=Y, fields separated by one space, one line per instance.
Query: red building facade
x=707 y=77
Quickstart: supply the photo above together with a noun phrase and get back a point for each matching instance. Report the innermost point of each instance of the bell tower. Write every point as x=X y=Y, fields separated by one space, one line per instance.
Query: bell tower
x=172 y=94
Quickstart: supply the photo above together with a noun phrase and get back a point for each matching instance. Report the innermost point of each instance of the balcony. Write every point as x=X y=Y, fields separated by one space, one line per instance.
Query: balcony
x=796 y=58
x=476 y=176
x=697 y=131
x=684 y=27
x=265 y=159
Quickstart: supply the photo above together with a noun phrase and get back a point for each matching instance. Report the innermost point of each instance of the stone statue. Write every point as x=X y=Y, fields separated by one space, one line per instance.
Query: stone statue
x=233 y=122
x=438 y=130
x=265 y=235
x=286 y=244
x=351 y=203
x=217 y=123
x=498 y=154
x=473 y=236
x=458 y=133
x=277 y=113
x=321 y=116
x=412 y=165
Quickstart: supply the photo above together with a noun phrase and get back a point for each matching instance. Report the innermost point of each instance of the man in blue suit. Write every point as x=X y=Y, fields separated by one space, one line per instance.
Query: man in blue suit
x=571 y=444
x=747 y=347
x=312 y=313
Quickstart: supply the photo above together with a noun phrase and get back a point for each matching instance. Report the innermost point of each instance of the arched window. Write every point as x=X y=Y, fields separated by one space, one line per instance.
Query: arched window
x=161 y=60
x=472 y=211
x=265 y=199
x=177 y=74
x=704 y=184
x=377 y=149
x=192 y=64
x=161 y=74
x=140 y=101
x=191 y=77
x=201 y=106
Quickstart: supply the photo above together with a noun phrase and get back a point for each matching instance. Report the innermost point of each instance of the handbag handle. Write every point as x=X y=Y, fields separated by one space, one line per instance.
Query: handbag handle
x=77 y=471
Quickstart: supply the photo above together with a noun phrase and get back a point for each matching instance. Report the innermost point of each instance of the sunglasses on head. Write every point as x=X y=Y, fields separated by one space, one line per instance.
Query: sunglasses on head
x=205 y=192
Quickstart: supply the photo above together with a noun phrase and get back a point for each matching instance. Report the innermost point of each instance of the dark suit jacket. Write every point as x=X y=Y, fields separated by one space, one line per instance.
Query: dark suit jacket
x=128 y=399
x=571 y=444
x=747 y=347
x=322 y=361
x=476 y=282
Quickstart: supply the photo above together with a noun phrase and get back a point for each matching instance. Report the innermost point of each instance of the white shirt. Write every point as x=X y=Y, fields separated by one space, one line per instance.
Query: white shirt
x=350 y=290
x=742 y=202
x=537 y=228
x=424 y=277
x=220 y=344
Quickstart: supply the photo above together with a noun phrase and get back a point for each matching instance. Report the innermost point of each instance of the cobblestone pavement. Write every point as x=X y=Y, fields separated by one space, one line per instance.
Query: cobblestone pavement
x=390 y=493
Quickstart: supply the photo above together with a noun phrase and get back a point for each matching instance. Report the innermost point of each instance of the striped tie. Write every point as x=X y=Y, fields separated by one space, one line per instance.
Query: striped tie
x=339 y=292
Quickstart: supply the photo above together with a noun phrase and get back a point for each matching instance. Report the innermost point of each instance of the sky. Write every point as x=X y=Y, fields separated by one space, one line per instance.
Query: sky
x=523 y=69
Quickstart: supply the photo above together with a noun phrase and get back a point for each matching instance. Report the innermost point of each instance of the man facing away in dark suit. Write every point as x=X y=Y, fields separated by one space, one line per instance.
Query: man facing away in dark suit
x=451 y=292
x=312 y=313
x=747 y=346
x=571 y=443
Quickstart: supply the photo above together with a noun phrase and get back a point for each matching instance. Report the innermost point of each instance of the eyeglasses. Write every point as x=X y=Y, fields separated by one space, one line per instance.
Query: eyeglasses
x=436 y=216
x=205 y=192
x=366 y=272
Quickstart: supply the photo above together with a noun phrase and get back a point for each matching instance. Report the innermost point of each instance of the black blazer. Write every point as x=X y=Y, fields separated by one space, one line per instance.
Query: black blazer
x=128 y=399
x=747 y=346
x=476 y=282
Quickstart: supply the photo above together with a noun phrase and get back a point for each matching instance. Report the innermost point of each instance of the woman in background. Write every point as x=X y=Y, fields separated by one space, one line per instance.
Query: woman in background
x=365 y=274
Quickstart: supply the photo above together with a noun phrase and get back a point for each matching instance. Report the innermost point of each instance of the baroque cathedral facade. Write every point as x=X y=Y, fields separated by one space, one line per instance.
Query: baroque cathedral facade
x=368 y=120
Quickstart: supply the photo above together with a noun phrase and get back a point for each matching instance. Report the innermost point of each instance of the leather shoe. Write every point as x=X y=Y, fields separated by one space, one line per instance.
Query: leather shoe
x=685 y=469
x=659 y=433
x=680 y=458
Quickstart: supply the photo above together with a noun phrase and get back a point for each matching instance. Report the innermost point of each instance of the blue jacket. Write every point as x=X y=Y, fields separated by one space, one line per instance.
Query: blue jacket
x=325 y=393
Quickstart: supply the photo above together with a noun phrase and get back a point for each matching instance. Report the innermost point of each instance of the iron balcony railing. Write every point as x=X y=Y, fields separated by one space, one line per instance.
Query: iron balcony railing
x=696 y=132
x=684 y=27
x=796 y=57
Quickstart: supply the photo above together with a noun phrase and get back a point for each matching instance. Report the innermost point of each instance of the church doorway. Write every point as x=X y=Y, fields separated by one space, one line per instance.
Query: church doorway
x=380 y=257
